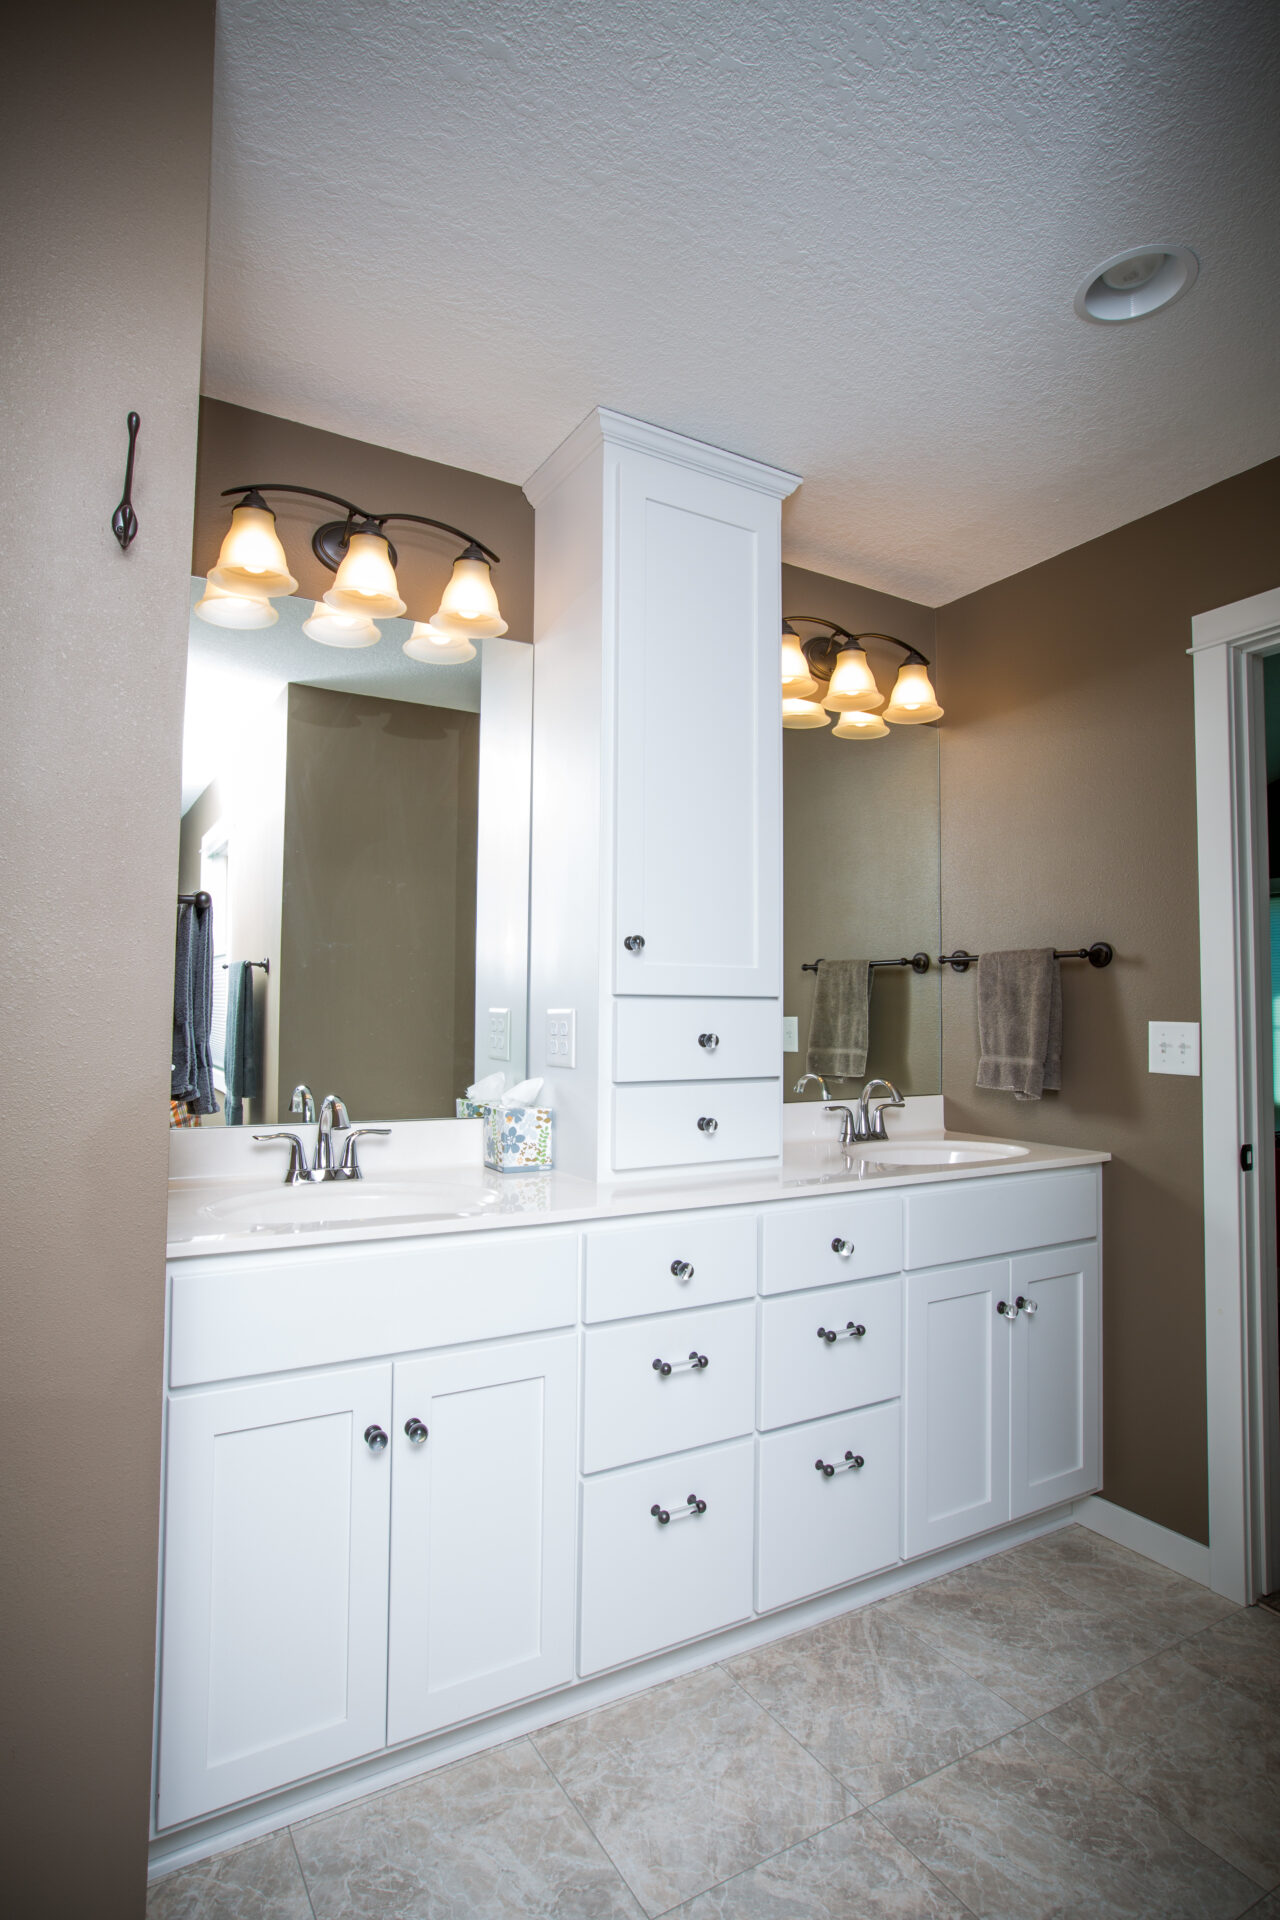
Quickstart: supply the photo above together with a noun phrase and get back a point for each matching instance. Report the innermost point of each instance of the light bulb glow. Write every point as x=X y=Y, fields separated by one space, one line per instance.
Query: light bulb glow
x=366 y=580
x=853 y=688
x=437 y=649
x=797 y=680
x=913 y=702
x=240 y=611
x=799 y=713
x=333 y=628
x=859 y=726
x=469 y=608
x=251 y=559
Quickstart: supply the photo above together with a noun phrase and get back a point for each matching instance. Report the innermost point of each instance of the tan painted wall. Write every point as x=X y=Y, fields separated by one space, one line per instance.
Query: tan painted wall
x=1068 y=809
x=376 y=984
x=861 y=851
x=105 y=155
x=237 y=445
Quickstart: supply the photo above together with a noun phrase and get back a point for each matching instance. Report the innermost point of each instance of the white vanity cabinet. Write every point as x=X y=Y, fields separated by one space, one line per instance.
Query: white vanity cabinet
x=275 y=1585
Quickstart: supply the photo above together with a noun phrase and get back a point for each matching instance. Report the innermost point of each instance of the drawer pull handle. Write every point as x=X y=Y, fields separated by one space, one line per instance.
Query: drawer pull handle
x=375 y=1439
x=1027 y=1306
x=1010 y=1313
x=687 y=1512
x=416 y=1431
x=850 y=1464
x=634 y=943
x=696 y=1363
x=843 y=1247
x=681 y=1270
x=709 y=1041
x=707 y=1125
x=851 y=1331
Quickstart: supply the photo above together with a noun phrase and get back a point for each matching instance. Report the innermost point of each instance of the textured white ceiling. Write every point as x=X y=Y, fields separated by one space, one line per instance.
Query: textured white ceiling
x=844 y=238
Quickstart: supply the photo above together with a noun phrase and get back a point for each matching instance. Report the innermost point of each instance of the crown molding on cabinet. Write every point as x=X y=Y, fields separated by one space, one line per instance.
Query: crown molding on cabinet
x=603 y=426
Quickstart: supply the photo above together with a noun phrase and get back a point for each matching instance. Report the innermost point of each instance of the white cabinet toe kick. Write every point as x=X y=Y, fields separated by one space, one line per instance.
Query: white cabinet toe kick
x=420 y=1494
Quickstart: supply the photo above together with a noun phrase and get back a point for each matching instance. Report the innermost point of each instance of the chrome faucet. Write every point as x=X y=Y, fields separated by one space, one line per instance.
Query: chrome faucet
x=818 y=1081
x=848 y=1125
x=304 y=1102
x=871 y=1126
x=332 y=1113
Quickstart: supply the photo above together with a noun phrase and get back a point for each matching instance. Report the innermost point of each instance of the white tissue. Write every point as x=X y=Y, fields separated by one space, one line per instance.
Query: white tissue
x=490 y=1088
x=523 y=1095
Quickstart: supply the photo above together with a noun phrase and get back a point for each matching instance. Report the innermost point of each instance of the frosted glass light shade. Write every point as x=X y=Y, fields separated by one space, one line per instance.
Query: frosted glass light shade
x=437 y=649
x=251 y=559
x=334 y=629
x=913 y=701
x=852 y=688
x=859 y=726
x=796 y=677
x=366 y=580
x=802 y=713
x=469 y=609
x=242 y=611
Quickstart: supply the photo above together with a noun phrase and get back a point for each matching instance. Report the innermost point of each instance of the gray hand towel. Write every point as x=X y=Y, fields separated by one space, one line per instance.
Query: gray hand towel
x=191 y=1073
x=841 y=1016
x=1020 y=1022
x=240 y=1056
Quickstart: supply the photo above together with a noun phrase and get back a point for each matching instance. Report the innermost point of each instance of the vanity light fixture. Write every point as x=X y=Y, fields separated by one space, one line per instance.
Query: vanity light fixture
x=253 y=570
x=840 y=681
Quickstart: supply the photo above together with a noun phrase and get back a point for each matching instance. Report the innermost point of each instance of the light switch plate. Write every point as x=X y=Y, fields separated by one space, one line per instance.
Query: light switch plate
x=1173 y=1046
x=499 y=1033
x=562 y=1037
x=790 y=1033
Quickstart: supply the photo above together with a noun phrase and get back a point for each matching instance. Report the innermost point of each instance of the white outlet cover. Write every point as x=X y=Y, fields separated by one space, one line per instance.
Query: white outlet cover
x=499 y=1033
x=1173 y=1046
x=790 y=1033
x=562 y=1037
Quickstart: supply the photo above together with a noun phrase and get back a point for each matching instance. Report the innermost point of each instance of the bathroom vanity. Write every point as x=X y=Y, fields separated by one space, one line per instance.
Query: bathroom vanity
x=422 y=1471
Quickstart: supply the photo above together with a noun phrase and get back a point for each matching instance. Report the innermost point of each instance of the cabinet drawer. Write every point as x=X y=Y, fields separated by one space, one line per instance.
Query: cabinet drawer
x=799 y=1249
x=663 y=1039
x=632 y=1270
x=634 y=1411
x=658 y=1126
x=821 y=1530
x=1000 y=1215
x=804 y=1377
x=274 y=1312
x=646 y=1585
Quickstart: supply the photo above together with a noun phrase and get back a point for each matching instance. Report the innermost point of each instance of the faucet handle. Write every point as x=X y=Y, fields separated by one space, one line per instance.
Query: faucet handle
x=297 y=1172
x=350 y=1168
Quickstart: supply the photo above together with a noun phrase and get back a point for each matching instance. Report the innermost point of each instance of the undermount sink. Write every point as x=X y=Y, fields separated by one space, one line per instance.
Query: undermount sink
x=935 y=1153
x=331 y=1203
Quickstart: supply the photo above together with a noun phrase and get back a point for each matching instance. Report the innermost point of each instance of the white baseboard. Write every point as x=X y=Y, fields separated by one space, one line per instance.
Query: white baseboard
x=1147 y=1537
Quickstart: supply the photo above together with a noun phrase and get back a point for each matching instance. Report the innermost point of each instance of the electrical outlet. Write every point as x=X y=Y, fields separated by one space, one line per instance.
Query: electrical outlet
x=790 y=1033
x=562 y=1037
x=499 y=1033
x=1173 y=1046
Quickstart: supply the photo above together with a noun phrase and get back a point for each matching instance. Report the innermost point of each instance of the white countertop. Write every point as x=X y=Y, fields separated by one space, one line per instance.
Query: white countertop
x=213 y=1216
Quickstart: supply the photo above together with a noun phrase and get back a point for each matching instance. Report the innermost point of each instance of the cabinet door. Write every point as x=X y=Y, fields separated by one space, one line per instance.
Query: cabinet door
x=1055 y=1444
x=699 y=750
x=274 y=1645
x=819 y=1529
x=957 y=1404
x=482 y=1531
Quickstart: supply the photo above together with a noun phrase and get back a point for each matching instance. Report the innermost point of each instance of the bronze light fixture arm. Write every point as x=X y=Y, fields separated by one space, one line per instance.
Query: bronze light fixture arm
x=820 y=650
x=329 y=541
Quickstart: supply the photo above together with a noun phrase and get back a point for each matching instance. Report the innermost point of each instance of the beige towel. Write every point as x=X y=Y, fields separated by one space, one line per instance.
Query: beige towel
x=841 y=1016
x=1020 y=1022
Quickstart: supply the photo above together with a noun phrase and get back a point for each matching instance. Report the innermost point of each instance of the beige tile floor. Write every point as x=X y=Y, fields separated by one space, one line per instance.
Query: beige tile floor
x=1063 y=1730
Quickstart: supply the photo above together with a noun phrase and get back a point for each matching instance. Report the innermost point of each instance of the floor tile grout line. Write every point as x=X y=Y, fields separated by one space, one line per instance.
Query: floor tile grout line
x=582 y=1815
x=302 y=1872
x=924 y=1866
x=786 y=1731
x=765 y=1860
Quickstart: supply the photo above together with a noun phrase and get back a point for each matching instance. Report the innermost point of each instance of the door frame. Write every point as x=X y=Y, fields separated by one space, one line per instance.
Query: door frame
x=1243 y=1418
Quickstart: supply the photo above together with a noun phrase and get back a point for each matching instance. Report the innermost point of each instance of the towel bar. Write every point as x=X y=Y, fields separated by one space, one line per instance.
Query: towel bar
x=1100 y=954
x=264 y=964
x=918 y=963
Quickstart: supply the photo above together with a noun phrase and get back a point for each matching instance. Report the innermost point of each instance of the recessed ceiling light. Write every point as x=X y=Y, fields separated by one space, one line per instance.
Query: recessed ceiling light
x=1137 y=282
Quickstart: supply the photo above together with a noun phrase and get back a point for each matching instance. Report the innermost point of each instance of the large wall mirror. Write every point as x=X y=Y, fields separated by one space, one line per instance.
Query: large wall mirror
x=360 y=822
x=862 y=860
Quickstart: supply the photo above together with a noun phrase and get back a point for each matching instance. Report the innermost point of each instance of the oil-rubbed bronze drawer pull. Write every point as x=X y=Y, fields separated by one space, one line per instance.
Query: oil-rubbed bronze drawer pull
x=850 y=1331
x=850 y=1464
x=688 y=1512
x=696 y=1363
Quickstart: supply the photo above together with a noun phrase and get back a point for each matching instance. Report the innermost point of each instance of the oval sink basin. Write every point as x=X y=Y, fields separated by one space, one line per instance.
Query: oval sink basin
x=332 y=1203
x=936 y=1153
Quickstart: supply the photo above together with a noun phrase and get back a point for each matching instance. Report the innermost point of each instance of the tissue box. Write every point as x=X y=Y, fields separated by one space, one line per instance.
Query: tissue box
x=517 y=1137
x=470 y=1109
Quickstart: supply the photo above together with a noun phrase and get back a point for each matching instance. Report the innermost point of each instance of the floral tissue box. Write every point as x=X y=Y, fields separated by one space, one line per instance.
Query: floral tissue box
x=517 y=1137
x=469 y=1109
